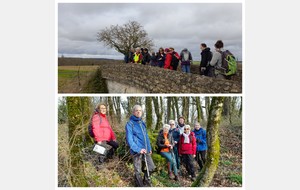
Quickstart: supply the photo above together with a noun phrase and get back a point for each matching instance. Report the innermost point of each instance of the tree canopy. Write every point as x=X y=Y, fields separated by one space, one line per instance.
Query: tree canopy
x=122 y=38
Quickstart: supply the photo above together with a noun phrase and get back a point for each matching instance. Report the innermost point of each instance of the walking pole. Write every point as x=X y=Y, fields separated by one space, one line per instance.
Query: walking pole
x=173 y=157
x=147 y=167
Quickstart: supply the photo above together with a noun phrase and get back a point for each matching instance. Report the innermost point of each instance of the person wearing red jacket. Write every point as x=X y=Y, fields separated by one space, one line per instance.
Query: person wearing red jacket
x=187 y=149
x=168 y=59
x=103 y=132
x=172 y=59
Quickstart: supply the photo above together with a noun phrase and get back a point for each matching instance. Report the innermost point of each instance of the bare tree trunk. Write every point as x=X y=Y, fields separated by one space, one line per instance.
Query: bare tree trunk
x=76 y=169
x=169 y=99
x=173 y=110
x=176 y=106
x=198 y=105
x=241 y=107
x=158 y=115
x=85 y=113
x=149 y=118
x=208 y=171
x=161 y=111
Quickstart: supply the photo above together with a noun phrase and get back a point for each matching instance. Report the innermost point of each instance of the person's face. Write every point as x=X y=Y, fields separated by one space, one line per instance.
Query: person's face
x=186 y=130
x=181 y=121
x=138 y=50
x=161 y=51
x=137 y=112
x=197 y=127
x=171 y=50
x=172 y=125
x=166 y=130
x=145 y=51
x=132 y=50
x=103 y=109
x=201 y=47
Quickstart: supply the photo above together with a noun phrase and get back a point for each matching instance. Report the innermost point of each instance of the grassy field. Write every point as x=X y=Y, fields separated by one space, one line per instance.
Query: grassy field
x=67 y=74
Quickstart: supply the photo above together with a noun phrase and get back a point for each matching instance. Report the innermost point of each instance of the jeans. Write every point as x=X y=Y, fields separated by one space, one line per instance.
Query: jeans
x=171 y=161
x=137 y=164
x=186 y=68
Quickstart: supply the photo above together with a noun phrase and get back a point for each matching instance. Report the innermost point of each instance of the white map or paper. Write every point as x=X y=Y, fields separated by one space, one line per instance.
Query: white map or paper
x=99 y=149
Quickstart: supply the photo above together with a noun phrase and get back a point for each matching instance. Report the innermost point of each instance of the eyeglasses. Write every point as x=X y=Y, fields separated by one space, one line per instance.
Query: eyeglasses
x=102 y=108
x=172 y=124
x=186 y=129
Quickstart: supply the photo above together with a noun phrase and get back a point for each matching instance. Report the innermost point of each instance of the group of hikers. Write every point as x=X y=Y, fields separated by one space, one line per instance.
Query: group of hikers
x=168 y=58
x=177 y=143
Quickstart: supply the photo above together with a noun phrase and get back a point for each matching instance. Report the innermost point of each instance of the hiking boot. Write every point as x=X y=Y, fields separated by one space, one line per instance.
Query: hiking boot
x=146 y=183
x=193 y=178
x=170 y=175
x=177 y=178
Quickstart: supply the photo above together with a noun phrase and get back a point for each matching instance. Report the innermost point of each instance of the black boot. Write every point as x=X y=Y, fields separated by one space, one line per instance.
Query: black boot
x=146 y=180
x=139 y=180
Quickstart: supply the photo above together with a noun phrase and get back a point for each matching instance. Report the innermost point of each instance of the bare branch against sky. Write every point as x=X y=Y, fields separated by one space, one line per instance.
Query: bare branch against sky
x=176 y=25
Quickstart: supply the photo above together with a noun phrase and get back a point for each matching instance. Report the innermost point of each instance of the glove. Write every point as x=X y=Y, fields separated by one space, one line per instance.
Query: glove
x=198 y=140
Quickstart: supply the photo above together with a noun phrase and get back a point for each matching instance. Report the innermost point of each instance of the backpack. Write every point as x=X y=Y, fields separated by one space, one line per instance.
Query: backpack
x=174 y=60
x=228 y=63
x=126 y=58
x=186 y=56
x=90 y=128
x=132 y=130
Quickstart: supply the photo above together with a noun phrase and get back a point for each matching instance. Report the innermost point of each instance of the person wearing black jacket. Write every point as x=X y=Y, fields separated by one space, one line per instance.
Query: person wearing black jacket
x=146 y=57
x=205 y=68
x=165 y=145
x=131 y=55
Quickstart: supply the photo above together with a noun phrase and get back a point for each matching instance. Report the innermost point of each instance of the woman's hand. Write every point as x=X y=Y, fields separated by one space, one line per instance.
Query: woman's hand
x=175 y=142
x=194 y=156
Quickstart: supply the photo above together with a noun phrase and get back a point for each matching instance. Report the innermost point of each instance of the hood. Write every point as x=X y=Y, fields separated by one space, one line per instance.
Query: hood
x=207 y=49
x=135 y=119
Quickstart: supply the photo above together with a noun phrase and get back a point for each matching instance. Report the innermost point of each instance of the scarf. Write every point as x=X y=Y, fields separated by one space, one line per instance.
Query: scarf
x=186 y=137
x=181 y=125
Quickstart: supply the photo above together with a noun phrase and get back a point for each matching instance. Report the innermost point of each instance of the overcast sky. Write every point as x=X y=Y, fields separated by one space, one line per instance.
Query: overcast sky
x=169 y=25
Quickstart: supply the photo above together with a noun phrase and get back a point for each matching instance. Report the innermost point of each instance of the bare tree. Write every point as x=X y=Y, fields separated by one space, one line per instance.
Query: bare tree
x=214 y=118
x=122 y=38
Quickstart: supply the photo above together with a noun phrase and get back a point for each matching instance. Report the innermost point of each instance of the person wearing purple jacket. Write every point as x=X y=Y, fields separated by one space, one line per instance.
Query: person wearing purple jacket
x=186 y=60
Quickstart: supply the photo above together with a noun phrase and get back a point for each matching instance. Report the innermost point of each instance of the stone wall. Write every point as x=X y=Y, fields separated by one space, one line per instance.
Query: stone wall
x=237 y=77
x=158 y=80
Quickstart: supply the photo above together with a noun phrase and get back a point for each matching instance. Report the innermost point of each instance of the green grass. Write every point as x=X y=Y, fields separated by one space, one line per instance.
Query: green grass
x=226 y=162
x=236 y=178
x=197 y=62
x=68 y=73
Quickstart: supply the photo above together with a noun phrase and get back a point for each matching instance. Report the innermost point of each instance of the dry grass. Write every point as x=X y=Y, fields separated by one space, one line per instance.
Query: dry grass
x=82 y=68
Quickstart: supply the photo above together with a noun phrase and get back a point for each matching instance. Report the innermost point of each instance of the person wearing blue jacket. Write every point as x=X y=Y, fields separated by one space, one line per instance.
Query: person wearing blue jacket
x=138 y=140
x=200 y=135
x=160 y=57
x=153 y=59
x=176 y=136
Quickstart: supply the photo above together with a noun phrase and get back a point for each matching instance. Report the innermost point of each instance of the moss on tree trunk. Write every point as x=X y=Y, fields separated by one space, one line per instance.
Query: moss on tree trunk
x=148 y=112
x=76 y=169
x=207 y=173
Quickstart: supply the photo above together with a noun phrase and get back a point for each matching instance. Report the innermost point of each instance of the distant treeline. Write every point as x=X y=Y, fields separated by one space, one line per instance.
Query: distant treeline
x=85 y=61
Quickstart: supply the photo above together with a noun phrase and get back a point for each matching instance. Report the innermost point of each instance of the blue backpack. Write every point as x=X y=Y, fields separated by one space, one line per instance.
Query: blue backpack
x=126 y=58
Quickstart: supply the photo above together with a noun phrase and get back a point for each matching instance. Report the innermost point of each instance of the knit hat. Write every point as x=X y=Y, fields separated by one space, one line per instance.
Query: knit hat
x=167 y=50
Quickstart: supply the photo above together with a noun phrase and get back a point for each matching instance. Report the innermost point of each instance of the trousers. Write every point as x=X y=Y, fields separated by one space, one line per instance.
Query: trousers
x=137 y=164
x=202 y=155
x=188 y=160
x=171 y=161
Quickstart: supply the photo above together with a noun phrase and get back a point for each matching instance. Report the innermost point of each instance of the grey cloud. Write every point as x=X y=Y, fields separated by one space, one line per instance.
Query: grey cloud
x=175 y=25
